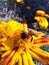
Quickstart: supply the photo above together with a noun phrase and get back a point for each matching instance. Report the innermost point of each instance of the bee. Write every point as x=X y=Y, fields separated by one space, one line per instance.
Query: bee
x=27 y=33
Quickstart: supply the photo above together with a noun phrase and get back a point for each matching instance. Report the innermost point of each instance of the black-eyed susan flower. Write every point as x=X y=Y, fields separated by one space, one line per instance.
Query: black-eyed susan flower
x=21 y=44
x=41 y=18
x=43 y=22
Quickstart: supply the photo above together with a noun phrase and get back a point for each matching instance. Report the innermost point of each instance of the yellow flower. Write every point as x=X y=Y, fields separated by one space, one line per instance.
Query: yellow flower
x=21 y=44
x=19 y=1
x=41 y=18
x=42 y=21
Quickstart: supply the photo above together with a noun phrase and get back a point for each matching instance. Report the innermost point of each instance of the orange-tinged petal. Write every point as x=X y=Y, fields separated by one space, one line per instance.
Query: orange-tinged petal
x=37 y=57
x=2 y=48
x=6 y=53
x=40 y=52
x=41 y=42
x=40 y=12
x=8 y=44
x=5 y=61
x=14 y=59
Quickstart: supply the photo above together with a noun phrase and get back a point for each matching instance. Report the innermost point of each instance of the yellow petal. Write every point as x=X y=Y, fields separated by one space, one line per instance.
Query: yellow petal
x=30 y=61
x=40 y=52
x=15 y=58
x=20 y=60
x=8 y=44
x=37 y=57
x=25 y=60
x=41 y=42
x=2 y=49
x=40 y=12
x=5 y=61
x=6 y=53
